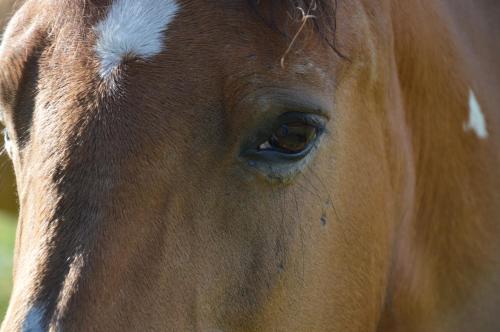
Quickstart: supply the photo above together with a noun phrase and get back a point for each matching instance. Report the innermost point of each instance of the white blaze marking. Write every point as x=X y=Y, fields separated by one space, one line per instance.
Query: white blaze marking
x=477 y=122
x=133 y=28
x=34 y=320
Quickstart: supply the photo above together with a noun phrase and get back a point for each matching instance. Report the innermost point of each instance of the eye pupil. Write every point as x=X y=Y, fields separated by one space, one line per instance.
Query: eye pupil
x=282 y=131
x=293 y=138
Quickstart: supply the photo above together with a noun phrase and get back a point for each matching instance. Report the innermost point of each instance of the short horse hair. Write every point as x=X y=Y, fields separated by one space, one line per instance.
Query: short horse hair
x=322 y=14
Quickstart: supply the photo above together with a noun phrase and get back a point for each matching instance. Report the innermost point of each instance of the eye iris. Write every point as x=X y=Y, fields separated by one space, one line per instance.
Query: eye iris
x=293 y=137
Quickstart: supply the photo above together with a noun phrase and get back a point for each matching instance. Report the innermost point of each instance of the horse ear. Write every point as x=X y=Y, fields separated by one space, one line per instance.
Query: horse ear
x=20 y=51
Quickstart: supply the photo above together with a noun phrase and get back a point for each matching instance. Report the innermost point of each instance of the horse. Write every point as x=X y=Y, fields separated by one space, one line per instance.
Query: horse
x=246 y=165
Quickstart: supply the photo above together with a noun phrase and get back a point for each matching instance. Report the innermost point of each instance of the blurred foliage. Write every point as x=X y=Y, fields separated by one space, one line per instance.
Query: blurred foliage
x=8 y=207
x=7 y=236
x=8 y=200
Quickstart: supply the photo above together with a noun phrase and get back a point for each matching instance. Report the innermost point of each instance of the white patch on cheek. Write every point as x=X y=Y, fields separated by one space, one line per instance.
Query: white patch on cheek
x=133 y=28
x=477 y=122
x=34 y=320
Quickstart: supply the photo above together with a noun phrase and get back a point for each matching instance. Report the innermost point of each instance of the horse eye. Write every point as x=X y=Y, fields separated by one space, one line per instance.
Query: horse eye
x=291 y=138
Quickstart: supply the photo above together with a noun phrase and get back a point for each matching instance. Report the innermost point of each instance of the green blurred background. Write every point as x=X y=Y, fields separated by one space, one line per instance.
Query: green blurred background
x=8 y=216
x=7 y=231
x=8 y=204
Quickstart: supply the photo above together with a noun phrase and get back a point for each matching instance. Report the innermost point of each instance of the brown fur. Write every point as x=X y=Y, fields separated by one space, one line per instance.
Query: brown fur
x=137 y=213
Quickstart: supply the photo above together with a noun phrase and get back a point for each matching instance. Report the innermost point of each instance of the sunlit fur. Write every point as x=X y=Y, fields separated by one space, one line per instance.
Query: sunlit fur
x=140 y=212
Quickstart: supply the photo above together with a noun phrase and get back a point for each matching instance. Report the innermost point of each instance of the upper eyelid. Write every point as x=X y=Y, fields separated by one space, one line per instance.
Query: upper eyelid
x=294 y=99
x=311 y=119
x=296 y=106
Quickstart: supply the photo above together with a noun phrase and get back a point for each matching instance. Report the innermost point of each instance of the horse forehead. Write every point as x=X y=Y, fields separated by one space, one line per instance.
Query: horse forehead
x=133 y=29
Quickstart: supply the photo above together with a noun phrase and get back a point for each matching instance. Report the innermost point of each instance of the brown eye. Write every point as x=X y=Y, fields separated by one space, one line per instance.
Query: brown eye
x=291 y=138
